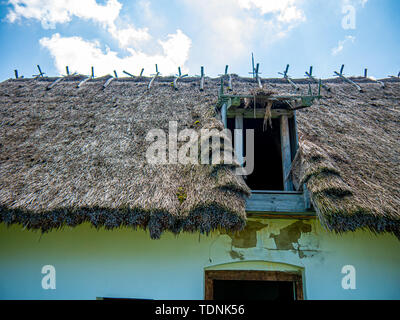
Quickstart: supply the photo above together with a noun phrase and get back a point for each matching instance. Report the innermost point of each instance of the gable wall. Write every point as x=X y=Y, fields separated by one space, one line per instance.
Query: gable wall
x=126 y=263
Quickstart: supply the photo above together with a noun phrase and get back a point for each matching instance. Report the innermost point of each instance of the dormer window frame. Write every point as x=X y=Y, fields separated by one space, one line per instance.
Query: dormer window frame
x=269 y=203
x=288 y=137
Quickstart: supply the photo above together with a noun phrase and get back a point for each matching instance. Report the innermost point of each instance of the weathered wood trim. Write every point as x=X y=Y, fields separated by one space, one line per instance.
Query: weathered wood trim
x=307 y=199
x=230 y=82
x=83 y=82
x=202 y=83
x=277 y=202
x=274 y=215
x=252 y=275
x=276 y=192
x=286 y=153
x=54 y=83
x=209 y=286
x=108 y=82
x=239 y=138
x=224 y=115
x=259 y=113
x=294 y=138
x=298 y=284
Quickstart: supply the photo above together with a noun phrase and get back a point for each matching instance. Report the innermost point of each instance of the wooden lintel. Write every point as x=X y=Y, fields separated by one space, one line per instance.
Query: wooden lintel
x=274 y=215
x=260 y=113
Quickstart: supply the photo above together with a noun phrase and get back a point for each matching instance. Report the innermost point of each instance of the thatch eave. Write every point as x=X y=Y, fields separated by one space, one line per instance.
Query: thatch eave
x=67 y=152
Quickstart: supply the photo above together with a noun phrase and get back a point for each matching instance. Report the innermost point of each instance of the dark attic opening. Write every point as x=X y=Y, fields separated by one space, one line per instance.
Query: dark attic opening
x=275 y=141
x=267 y=173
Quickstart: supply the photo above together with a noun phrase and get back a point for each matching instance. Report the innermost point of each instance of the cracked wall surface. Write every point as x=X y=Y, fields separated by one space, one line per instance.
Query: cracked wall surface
x=293 y=236
x=126 y=263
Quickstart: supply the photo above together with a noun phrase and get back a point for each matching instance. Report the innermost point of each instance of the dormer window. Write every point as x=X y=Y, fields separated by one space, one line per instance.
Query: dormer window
x=275 y=144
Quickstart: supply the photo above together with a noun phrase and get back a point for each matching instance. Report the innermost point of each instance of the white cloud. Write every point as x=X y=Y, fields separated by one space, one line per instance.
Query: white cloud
x=226 y=31
x=229 y=29
x=339 y=48
x=51 y=12
x=149 y=14
x=362 y=3
x=129 y=36
x=176 y=49
x=80 y=55
x=286 y=10
x=291 y=14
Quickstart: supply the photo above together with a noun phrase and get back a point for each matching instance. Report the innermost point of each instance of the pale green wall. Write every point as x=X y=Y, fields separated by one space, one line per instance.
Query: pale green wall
x=126 y=263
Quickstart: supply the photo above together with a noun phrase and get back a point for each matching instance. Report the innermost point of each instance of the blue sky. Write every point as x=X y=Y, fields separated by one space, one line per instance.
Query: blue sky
x=134 y=34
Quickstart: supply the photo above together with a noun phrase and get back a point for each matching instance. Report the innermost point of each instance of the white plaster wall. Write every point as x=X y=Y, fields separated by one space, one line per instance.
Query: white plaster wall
x=127 y=263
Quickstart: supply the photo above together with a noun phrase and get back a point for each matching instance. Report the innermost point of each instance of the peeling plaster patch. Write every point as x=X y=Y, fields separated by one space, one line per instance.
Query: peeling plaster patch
x=288 y=238
x=236 y=255
x=247 y=238
x=309 y=244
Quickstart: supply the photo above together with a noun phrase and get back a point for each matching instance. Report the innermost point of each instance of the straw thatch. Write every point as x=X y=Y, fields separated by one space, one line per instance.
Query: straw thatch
x=349 y=153
x=350 y=157
x=72 y=155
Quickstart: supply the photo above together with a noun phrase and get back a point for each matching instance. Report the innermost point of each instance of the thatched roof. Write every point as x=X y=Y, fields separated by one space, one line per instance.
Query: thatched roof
x=349 y=152
x=72 y=155
x=350 y=157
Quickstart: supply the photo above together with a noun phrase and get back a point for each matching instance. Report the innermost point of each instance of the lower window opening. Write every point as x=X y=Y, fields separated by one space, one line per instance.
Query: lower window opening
x=254 y=290
x=253 y=285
